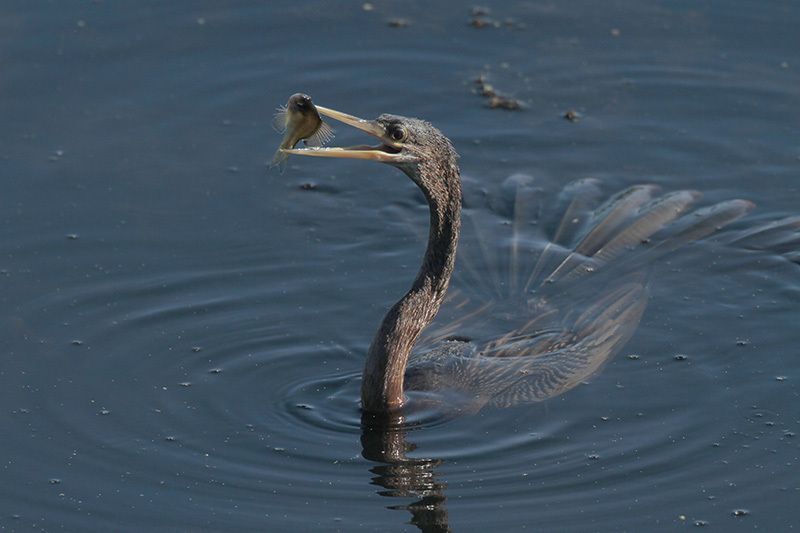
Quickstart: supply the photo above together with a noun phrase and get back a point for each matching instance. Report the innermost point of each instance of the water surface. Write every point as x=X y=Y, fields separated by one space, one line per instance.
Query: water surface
x=183 y=332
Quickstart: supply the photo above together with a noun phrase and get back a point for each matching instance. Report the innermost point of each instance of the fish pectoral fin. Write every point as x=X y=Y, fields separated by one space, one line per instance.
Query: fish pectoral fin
x=322 y=136
x=279 y=120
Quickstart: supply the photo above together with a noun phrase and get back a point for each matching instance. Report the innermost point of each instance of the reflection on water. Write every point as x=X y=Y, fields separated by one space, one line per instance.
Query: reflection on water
x=385 y=442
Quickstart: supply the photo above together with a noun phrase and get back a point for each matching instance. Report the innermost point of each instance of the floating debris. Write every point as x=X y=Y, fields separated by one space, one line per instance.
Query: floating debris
x=398 y=23
x=367 y=6
x=185 y=383
x=615 y=32
x=304 y=406
x=701 y=523
x=72 y=236
x=215 y=371
x=496 y=100
x=170 y=438
x=308 y=186
x=593 y=456
x=482 y=22
x=480 y=11
x=742 y=342
x=634 y=357
x=196 y=349
x=740 y=512
x=780 y=378
x=680 y=357
x=572 y=115
x=104 y=412
x=54 y=481
x=77 y=342
x=504 y=102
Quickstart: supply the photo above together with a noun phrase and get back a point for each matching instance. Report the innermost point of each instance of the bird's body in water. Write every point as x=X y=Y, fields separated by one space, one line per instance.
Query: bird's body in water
x=299 y=120
x=567 y=302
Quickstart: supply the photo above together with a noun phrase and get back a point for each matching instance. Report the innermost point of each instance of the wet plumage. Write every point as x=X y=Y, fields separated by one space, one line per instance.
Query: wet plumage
x=299 y=120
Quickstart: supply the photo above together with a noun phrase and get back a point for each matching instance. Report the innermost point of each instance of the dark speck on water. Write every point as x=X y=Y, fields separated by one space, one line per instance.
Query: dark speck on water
x=398 y=23
x=144 y=252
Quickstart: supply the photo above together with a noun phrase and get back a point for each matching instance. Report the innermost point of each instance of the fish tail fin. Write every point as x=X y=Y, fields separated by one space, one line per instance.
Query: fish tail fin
x=279 y=160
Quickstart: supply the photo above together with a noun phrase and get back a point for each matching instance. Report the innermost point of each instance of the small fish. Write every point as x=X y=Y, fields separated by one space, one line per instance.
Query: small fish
x=299 y=120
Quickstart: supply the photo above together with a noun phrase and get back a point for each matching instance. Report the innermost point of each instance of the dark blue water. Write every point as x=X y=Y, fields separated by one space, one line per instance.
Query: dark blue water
x=183 y=331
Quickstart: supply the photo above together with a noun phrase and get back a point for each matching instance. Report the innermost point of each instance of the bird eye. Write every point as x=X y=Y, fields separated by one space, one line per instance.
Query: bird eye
x=398 y=134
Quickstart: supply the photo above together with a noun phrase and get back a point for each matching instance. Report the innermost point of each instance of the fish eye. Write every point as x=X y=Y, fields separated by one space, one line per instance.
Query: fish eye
x=398 y=133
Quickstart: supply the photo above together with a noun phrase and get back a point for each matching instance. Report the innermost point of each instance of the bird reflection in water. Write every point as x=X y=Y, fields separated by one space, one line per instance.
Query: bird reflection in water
x=383 y=441
x=541 y=310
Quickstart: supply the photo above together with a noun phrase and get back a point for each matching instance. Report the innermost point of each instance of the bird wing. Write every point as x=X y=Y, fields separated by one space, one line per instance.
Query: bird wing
x=567 y=289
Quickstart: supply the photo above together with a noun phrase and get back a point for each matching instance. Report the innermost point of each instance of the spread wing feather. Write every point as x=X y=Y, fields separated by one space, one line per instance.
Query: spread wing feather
x=569 y=298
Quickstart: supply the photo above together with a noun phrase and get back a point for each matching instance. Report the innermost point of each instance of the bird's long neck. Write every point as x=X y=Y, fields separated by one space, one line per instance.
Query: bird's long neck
x=382 y=386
